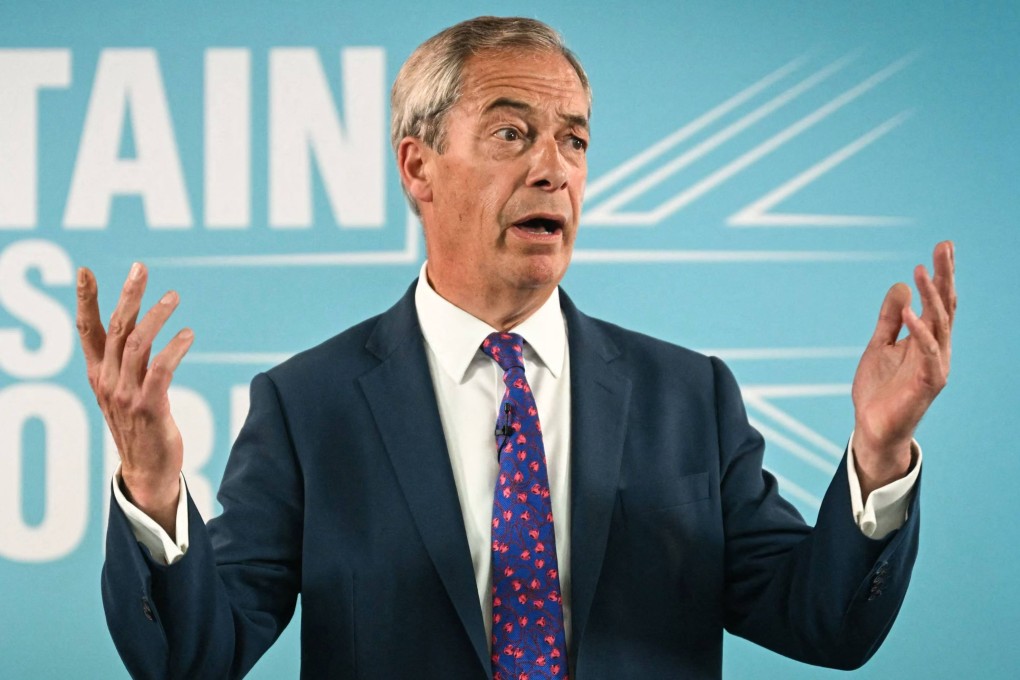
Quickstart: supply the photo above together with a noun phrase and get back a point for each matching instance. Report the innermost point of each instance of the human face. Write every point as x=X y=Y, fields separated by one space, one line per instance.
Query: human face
x=507 y=188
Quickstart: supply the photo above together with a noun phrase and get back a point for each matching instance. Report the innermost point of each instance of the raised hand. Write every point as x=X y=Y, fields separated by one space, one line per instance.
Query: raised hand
x=897 y=380
x=132 y=392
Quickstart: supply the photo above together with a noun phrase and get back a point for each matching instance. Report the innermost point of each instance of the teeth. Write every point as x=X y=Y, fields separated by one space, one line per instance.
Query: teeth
x=539 y=226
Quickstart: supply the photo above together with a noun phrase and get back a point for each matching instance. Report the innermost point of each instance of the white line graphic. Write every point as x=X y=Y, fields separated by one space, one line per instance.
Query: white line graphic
x=796 y=491
x=410 y=254
x=809 y=390
x=776 y=438
x=603 y=212
x=792 y=424
x=239 y=358
x=634 y=163
x=757 y=214
x=758 y=353
x=597 y=256
x=716 y=178
x=787 y=435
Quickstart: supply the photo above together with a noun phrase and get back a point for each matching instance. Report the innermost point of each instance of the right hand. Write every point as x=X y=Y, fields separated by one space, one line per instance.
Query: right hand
x=132 y=392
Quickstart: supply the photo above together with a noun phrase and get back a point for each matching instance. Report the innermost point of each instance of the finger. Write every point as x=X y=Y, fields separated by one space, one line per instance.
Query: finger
x=890 y=316
x=933 y=312
x=139 y=342
x=161 y=371
x=932 y=371
x=122 y=322
x=90 y=327
x=944 y=259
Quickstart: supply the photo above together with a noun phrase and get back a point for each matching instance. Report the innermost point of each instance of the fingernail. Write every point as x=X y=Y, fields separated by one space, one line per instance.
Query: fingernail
x=136 y=271
x=82 y=277
x=186 y=333
x=167 y=299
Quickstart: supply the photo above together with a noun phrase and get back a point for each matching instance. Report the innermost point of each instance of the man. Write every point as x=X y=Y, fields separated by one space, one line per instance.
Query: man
x=367 y=478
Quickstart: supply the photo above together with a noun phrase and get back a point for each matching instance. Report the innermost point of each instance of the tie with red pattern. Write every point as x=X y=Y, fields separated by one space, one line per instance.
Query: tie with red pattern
x=528 y=640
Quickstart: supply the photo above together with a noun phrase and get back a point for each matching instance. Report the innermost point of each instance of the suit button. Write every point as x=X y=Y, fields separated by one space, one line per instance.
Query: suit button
x=147 y=610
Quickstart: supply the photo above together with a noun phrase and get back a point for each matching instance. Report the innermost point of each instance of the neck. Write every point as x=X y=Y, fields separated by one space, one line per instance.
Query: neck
x=502 y=308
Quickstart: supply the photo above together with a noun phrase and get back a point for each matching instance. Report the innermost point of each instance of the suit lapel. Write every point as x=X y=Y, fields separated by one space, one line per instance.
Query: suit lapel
x=400 y=394
x=600 y=398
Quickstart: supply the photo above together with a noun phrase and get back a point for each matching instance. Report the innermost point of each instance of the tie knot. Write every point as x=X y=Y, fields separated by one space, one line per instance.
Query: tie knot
x=506 y=349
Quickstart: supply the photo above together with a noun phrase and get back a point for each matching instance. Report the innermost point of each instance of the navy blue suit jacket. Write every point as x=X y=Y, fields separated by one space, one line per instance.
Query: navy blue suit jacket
x=339 y=488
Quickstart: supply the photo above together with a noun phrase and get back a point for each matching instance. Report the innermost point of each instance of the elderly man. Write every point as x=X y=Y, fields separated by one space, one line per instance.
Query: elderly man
x=485 y=482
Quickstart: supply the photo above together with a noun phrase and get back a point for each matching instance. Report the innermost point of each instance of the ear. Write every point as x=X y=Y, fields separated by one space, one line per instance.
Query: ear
x=413 y=158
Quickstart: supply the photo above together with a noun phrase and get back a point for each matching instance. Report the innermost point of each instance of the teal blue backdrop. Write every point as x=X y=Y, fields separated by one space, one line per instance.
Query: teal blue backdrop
x=760 y=173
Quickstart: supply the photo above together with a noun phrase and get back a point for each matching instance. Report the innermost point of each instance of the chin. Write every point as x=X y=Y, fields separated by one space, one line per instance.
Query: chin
x=540 y=273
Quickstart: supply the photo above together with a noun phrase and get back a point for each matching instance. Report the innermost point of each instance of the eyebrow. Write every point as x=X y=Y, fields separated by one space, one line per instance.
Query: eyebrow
x=572 y=119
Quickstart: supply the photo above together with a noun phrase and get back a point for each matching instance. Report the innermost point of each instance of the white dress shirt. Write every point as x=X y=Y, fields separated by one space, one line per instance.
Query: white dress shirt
x=469 y=388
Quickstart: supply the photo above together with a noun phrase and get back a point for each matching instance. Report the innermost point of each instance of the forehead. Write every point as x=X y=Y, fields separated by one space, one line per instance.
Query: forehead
x=540 y=78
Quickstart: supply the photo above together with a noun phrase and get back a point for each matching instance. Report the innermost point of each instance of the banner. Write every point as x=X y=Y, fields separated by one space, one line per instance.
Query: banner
x=759 y=175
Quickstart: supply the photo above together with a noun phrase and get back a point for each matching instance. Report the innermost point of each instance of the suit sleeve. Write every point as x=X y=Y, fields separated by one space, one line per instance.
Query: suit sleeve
x=827 y=595
x=216 y=611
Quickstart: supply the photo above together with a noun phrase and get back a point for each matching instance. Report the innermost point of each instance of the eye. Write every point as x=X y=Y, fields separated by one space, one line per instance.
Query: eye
x=577 y=144
x=508 y=134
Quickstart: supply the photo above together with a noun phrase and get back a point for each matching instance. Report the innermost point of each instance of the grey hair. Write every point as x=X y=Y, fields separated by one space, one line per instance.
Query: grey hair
x=429 y=83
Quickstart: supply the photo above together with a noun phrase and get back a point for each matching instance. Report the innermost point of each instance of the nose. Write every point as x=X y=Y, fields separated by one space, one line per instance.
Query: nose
x=548 y=169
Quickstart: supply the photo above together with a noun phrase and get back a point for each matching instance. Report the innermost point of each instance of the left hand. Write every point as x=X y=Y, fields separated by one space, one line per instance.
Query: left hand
x=896 y=381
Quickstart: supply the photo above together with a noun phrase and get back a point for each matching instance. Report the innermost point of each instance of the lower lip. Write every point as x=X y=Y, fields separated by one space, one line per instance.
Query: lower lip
x=537 y=236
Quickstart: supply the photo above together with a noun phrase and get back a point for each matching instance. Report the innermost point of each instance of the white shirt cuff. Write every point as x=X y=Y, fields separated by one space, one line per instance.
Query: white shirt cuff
x=886 y=509
x=150 y=534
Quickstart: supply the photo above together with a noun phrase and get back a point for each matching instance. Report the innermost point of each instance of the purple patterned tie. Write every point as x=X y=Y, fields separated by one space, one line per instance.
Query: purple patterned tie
x=527 y=617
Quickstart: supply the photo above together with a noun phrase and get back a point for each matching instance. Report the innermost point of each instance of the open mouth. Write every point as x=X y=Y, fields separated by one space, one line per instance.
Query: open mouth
x=540 y=225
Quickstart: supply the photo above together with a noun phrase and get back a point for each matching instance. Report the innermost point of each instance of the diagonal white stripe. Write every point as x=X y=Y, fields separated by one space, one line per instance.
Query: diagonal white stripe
x=660 y=175
x=634 y=163
x=788 y=488
x=782 y=441
x=779 y=139
x=756 y=214
x=793 y=425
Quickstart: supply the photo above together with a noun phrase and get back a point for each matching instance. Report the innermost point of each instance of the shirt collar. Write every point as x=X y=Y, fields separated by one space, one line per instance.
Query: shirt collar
x=456 y=336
